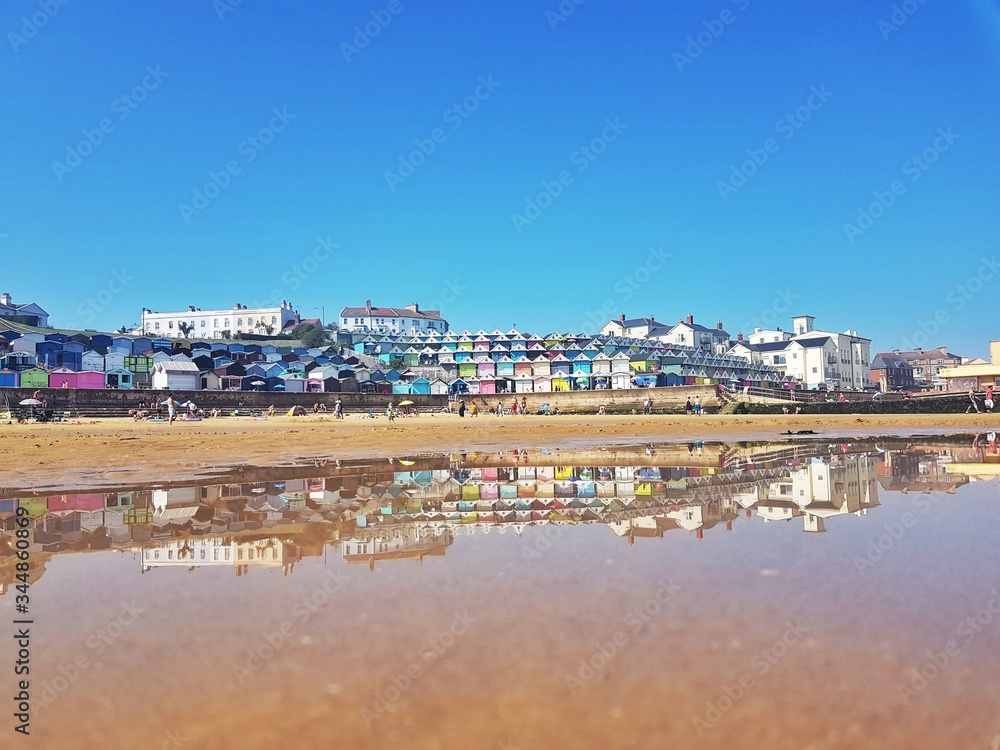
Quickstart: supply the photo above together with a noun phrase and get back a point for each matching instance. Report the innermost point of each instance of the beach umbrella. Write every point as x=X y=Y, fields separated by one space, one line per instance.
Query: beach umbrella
x=31 y=402
x=406 y=403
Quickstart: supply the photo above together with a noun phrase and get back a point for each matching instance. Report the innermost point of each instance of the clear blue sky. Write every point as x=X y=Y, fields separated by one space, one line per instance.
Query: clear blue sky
x=445 y=232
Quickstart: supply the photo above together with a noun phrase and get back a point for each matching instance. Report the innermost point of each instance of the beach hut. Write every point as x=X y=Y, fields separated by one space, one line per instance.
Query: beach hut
x=438 y=387
x=420 y=386
x=119 y=378
x=485 y=369
x=294 y=382
x=92 y=361
x=34 y=377
x=62 y=377
x=523 y=383
x=543 y=383
x=176 y=376
x=90 y=379
x=113 y=360
x=9 y=378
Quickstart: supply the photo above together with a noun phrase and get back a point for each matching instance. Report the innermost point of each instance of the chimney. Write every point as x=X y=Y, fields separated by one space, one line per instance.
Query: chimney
x=621 y=318
x=719 y=325
x=690 y=319
x=739 y=336
x=5 y=299
x=413 y=307
x=368 y=306
x=918 y=350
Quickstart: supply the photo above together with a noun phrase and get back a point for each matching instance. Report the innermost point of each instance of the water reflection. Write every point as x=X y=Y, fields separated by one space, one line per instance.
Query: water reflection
x=411 y=509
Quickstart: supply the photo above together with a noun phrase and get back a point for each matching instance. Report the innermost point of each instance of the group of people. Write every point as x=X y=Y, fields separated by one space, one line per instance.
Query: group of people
x=987 y=400
x=693 y=408
x=514 y=409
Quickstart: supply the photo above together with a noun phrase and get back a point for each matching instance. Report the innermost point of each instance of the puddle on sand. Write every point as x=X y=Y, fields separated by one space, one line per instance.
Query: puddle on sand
x=766 y=595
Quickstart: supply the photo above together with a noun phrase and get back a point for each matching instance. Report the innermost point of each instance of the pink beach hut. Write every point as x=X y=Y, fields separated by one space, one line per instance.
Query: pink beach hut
x=90 y=379
x=62 y=377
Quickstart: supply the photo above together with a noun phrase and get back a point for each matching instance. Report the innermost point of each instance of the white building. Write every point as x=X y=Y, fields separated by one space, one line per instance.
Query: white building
x=28 y=313
x=811 y=356
x=409 y=319
x=688 y=333
x=210 y=324
x=634 y=328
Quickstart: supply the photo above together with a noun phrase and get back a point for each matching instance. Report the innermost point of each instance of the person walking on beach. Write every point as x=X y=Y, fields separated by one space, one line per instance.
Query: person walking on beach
x=688 y=407
x=390 y=413
x=650 y=404
x=499 y=408
x=171 y=409
x=524 y=406
x=461 y=408
x=697 y=406
x=513 y=405
x=645 y=406
x=338 y=409
x=974 y=404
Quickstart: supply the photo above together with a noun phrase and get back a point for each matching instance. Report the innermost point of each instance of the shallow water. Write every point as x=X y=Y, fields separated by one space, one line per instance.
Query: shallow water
x=784 y=596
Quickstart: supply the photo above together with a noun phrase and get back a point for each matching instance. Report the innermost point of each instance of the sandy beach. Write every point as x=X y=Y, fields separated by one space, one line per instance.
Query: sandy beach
x=97 y=452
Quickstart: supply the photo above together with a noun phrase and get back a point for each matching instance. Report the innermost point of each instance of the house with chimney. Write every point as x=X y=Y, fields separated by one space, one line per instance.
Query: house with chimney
x=928 y=365
x=634 y=328
x=891 y=372
x=688 y=333
x=399 y=320
x=27 y=313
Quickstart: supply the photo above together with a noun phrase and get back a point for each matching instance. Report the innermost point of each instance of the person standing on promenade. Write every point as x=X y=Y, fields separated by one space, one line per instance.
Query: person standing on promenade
x=974 y=404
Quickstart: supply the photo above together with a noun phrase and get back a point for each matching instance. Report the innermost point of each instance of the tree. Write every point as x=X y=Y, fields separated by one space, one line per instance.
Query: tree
x=264 y=326
x=227 y=334
x=310 y=334
x=185 y=328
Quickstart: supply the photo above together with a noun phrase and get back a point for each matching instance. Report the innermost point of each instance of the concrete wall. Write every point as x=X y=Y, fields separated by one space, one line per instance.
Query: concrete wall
x=114 y=402
x=617 y=400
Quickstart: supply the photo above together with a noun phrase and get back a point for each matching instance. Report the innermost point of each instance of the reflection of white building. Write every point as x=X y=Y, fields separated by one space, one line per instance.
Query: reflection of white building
x=397 y=542
x=820 y=489
x=206 y=552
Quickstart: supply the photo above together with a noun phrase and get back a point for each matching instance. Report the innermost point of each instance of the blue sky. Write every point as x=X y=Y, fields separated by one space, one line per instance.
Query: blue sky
x=510 y=162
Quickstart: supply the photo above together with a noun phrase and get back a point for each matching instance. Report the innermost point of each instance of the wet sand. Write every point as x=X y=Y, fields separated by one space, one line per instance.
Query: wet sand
x=99 y=452
x=543 y=640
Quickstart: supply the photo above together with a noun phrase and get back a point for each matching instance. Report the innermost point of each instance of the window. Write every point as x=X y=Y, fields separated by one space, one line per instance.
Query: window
x=157 y=325
x=814 y=369
x=227 y=322
x=215 y=323
x=170 y=324
x=203 y=321
x=239 y=322
x=249 y=321
x=795 y=355
x=274 y=319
